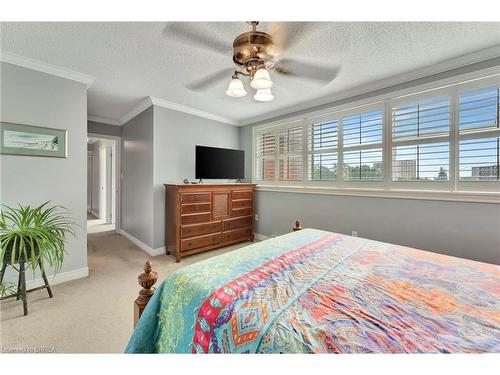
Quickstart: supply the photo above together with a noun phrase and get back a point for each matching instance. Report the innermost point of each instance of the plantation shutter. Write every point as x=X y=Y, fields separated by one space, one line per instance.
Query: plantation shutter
x=290 y=158
x=421 y=140
x=265 y=156
x=479 y=134
x=323 y=151
x=362 y=146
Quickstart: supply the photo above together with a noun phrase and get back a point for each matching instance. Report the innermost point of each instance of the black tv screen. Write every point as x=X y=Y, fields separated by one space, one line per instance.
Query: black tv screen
x=219 y=163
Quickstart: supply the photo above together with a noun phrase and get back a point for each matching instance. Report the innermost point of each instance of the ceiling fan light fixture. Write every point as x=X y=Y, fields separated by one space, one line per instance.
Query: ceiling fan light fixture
x=261 y=79
x=235 y=88
x=263 y=95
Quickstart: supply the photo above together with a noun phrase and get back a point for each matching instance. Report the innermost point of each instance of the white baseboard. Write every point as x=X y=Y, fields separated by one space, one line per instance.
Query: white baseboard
x=261 y=237
x=142 y=245
x=59 y=278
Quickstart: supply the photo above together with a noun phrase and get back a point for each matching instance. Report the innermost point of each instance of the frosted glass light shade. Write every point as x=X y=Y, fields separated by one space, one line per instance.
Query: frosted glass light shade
x=263 y=95
x=261 y=80
x=235 y=88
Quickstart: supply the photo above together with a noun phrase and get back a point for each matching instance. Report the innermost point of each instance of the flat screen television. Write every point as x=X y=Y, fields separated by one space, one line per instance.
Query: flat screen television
x=219 y=163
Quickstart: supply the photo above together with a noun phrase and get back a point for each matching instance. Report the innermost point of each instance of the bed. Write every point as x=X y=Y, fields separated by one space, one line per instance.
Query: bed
x=313 y=291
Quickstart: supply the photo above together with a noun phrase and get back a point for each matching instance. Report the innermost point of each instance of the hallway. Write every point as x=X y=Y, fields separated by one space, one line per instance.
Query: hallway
x=96 y=225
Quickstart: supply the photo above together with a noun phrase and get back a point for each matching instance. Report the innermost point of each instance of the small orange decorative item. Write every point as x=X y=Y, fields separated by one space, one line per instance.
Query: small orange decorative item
x=297 y=226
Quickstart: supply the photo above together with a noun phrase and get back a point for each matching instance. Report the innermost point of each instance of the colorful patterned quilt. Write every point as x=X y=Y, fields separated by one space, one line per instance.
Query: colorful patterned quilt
x=319 y=292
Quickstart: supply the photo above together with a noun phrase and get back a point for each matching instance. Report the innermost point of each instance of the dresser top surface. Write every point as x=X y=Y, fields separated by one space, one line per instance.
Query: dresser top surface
x=193 y=186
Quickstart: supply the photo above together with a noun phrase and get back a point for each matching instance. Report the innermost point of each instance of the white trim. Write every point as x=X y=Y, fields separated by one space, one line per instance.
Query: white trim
x=462 y=196
x=102 y=120
x=118 y=175
x=26 y=62
x=94 y=213
x=190 y=110
x=452 y=189
x=353 y=104
x=261 y=237
x=139 y=108
x=151 y=100
x=59 y=278
x=382 y=84
x=153 y=252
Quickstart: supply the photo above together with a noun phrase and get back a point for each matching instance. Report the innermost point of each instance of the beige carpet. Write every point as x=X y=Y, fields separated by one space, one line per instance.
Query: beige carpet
x=91 y=315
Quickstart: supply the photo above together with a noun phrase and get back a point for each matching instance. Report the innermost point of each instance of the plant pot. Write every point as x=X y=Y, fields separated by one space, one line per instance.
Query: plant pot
x=7 y=258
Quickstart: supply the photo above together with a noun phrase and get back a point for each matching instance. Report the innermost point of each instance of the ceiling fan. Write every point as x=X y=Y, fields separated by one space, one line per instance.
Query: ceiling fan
x=255 y=54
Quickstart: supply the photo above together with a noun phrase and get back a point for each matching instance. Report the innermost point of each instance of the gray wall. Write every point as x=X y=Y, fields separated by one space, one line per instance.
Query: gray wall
x=158 y=148
x=34 y=98
x=468 y=230
x=175 y=136
x=137 y=182
x=104 y=129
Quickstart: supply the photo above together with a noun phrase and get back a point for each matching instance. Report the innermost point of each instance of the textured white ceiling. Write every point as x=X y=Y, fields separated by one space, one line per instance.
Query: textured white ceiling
x=133 y=60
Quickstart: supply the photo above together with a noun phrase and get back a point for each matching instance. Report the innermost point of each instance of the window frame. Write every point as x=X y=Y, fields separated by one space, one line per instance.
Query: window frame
x=453 y=189
x=445 y=185
x=461 y=185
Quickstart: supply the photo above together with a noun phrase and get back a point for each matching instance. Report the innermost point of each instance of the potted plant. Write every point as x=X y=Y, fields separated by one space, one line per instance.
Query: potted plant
x=34 y=235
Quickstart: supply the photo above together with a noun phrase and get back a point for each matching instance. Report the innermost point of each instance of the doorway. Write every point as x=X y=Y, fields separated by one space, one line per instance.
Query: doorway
x=102 y=183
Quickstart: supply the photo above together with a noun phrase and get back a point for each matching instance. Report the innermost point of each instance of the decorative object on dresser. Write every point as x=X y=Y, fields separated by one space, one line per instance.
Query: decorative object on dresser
x=207 y=216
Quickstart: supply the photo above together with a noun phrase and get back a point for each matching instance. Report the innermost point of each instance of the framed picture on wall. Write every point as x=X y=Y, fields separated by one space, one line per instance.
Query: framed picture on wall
x=27 y=140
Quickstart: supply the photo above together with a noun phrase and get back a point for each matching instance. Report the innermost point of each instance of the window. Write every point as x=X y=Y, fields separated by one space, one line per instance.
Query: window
x=444 y=139
x=265 y=156
x=323 y=151
x=290 y=154
x=421 y=140
x=479 y=133
x=362 y=146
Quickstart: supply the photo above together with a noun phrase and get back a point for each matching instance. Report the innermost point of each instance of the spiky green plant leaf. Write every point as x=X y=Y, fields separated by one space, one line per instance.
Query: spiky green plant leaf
x=35 y=234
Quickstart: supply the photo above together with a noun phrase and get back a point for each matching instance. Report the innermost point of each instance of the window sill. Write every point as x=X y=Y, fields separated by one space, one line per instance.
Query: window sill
x=454 y=196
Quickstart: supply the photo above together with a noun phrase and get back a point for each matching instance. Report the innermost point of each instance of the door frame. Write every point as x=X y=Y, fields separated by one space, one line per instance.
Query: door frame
x=118 y=174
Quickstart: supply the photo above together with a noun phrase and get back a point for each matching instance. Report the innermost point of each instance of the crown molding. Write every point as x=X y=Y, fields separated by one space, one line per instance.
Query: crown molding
x=103 y=120
x=143 y=105
x=381 y=84
x=190 y=110
x=58 y=71
x=151 y=100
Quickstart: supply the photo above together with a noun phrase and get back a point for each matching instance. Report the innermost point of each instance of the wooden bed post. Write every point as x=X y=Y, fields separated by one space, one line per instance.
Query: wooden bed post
x=146 y=279
x=297 y=226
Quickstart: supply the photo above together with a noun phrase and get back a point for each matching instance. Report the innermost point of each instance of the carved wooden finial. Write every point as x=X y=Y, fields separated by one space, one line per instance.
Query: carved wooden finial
x=297 y=226
x=146 y=279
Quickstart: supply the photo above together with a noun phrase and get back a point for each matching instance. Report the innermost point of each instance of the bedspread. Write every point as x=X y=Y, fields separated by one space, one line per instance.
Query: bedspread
x=319 y=292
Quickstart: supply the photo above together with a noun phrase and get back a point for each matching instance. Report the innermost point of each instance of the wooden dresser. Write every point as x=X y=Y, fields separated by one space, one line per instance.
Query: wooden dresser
x=207 y=216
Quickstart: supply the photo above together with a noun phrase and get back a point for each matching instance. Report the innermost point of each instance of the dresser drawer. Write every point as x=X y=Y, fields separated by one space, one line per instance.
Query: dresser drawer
x=194 y=208
x=235 y=212
x=195 y=218
x=240 y=203
x=237 y=223
x=241 y=194
x=195 y=197
x=199 y=229
x=201 y=241
x=236 y=234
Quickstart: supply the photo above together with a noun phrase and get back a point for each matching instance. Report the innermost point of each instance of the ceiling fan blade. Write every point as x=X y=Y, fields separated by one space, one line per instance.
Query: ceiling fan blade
x=287 y=34
x=211 y=80
x=311 y=71
x=187 y=33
